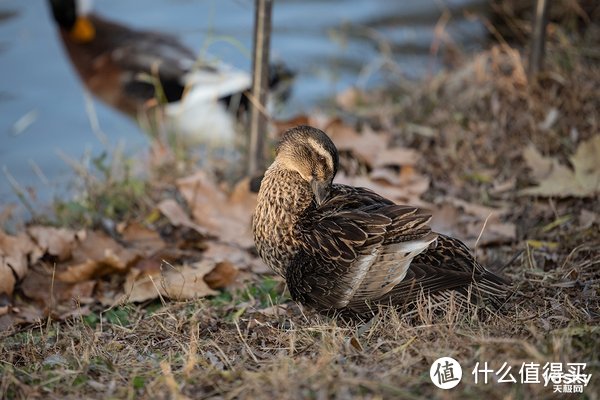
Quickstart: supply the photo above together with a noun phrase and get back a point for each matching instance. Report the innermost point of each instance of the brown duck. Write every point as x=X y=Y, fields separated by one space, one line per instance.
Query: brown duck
x=346 y=249
x=134 y=71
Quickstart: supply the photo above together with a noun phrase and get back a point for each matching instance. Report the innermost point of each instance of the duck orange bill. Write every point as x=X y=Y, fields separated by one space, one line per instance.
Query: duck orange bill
x=83 y=31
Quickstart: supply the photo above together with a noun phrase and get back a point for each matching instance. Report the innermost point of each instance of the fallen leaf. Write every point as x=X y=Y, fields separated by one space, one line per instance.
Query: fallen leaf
x=501 y=187
x=283 y=125
x=276 y=310
x=222 y=275
x=558 y=180
x=587 y=219
x=15 y=254
x=181 y=282
x=366 y=146
x=53 y=294
x=144 y=239
x=586 y=162
x=96 y=255
x=57 y=242
x=26 y=313
x=478 y=210
x=540 y=167
x=17 y=251
x=396 y=156
x=472 y=223
x=225 y=216
x=7 y=279
x=405 y=189
x=178 y=217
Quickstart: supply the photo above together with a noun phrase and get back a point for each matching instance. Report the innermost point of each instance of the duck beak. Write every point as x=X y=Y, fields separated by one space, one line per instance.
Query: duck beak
x=320 y=190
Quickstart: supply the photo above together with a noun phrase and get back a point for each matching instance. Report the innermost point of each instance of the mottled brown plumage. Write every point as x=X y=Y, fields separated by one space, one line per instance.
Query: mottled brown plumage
x=347 y=249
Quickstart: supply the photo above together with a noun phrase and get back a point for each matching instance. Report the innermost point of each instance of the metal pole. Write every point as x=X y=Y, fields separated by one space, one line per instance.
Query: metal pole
x=538 y=38
x=260 y=85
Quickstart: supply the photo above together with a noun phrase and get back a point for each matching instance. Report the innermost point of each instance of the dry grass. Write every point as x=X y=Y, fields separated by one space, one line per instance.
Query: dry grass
x=230 y=347
x=226 y=347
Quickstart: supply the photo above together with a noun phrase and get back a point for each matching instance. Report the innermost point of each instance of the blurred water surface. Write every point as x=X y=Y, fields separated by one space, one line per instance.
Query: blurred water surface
x=330 y=44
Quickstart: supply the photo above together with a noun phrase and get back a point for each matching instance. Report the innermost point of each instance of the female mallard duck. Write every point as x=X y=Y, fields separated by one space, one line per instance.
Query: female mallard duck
x=130 y=70
x=347 y=249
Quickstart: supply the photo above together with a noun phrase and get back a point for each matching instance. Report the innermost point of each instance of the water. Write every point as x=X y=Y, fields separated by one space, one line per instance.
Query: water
x=331 y=44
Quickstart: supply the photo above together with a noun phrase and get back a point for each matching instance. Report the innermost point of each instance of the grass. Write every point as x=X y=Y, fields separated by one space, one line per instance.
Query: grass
x=208 y=348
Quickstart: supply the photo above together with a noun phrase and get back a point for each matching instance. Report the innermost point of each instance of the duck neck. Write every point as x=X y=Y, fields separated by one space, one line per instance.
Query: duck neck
x=282 y=199
x=285 y=191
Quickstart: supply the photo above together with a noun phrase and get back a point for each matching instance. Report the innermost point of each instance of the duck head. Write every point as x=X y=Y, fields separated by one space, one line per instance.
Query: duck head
x=71 y=17
x=311 y=153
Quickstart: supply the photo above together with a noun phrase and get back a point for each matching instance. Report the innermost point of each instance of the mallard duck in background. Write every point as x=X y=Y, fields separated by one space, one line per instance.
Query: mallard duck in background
x=346 y=249
x=134 y=71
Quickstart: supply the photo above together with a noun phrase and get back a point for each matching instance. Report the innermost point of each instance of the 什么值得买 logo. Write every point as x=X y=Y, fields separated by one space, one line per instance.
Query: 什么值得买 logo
x=446 y=373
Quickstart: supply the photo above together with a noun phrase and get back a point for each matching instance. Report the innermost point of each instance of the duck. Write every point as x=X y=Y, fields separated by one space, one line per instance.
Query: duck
x=138 y=72
x=346 y=250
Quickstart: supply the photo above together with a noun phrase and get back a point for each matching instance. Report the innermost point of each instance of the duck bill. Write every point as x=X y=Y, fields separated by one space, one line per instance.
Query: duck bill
x=320 y=190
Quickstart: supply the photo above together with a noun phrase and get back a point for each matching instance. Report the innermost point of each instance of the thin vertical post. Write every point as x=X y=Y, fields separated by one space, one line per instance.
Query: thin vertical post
x=260 y=85
x=538 y=38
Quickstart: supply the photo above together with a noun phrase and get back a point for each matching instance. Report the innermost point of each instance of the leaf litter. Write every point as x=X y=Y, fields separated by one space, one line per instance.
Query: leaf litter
x=558 y=180
x=61 y=269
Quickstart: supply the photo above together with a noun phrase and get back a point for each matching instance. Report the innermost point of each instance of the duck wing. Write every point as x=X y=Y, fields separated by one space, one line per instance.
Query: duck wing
x=355 y=245
x=446 y=266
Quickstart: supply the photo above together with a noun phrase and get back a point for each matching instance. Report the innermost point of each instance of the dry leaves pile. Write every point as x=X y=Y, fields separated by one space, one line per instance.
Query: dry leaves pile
x=59 y=272
x=555 y=179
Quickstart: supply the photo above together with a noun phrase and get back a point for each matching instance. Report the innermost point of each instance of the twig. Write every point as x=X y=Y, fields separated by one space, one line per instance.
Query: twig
x=237 y=326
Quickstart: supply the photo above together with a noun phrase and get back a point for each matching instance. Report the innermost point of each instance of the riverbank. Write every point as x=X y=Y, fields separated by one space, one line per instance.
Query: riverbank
x=178 y=305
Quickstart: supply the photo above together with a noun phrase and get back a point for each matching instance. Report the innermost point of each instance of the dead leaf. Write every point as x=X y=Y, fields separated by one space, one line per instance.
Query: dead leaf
x=396 y=156
x=501 y=187
x=227 y=217
x=181 y=282
x=25 y=313
x=540 y=167
x=7 y=279
x=587 y=219
x=405 y=189
x=57 y=242
x=15 y=254
x=470 y=222
x=222 y=275
x=144 y=239
x=55 y=295
x=586 y=162
x=558 y=180
x=97 y=255
x=178 y=217
x=283 y=125
x=366 y=146
x=276 y=310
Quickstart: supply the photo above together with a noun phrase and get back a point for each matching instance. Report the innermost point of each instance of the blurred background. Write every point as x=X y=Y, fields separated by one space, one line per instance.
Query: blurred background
x=331 y=45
